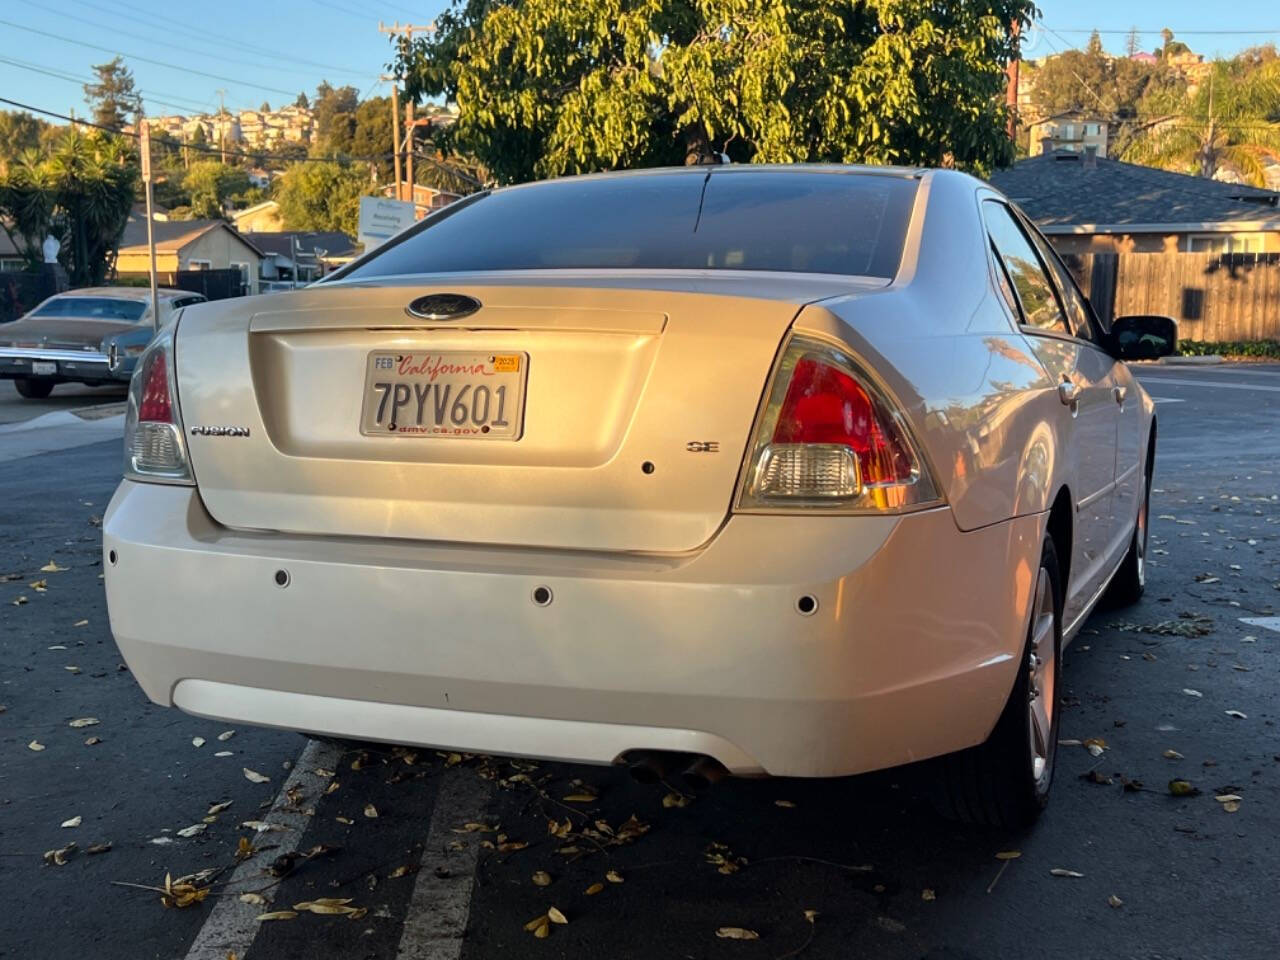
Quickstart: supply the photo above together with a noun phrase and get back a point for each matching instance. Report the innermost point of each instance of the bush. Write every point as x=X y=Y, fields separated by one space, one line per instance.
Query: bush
x=1231 y=348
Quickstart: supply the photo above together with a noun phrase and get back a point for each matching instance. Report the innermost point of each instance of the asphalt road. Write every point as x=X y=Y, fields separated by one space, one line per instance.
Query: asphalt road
x=65 y=396
x=432 y=847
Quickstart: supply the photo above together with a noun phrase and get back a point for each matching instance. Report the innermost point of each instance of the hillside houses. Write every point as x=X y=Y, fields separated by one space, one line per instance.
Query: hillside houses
x=251 y=128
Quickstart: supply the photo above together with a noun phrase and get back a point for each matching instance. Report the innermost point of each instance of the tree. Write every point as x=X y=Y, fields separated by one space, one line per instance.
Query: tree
x=80 y=192
x=19 y=132
x=1132 y=43
x=546 y=87
x=1089 y=81
x=210 y=185
x=301 y=101
x=285 y=153
x=328 y=104
x=322 y=195
x=266 y=107
x=1094 y=47
x=112 y=98
x=1227 y=124
x=364 y=132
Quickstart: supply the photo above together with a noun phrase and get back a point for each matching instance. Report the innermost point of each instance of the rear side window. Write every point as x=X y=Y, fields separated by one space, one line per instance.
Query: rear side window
x=842 y=223
x=1039 y=301
x=1078 y=310
x=92 y=308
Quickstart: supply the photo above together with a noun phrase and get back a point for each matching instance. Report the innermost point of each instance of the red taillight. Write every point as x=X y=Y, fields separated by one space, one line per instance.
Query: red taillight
x=824 y=404
x=155 y=406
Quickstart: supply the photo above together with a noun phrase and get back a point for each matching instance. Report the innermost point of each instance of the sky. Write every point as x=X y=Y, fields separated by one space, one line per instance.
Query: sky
x=259 y=51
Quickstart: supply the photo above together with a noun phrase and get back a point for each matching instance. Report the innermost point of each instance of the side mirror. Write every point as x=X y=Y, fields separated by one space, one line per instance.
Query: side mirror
x=1143 y=337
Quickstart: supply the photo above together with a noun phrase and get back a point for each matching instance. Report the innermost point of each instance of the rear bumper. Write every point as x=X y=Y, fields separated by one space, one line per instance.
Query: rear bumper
x=70 y=364
x=911 y=652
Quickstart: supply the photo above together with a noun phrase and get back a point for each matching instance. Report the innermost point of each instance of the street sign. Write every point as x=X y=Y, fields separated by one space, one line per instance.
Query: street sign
x=381 y=219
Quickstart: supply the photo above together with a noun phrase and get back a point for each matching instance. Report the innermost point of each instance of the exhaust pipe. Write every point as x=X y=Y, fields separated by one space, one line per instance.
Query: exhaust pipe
x=703 y=773
x=654 y=766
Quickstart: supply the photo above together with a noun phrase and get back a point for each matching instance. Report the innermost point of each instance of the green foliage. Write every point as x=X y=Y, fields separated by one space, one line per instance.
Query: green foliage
x=329 y=103
x=1089 y=81
x=19 y=132
x=1232 y=348
x=210 y=185
x=365 y=131
x=322 y=195
x=81 y=192
x=546 y=87
x=1228 y=121
x=112 y=98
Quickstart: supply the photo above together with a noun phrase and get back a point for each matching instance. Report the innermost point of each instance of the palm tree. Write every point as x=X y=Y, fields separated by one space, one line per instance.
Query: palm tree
x=1228 y=122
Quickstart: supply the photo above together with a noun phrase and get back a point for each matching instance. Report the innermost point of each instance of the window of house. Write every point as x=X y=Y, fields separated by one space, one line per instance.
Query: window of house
x=199 y=264
x=1224 y=243
x=1036 y=297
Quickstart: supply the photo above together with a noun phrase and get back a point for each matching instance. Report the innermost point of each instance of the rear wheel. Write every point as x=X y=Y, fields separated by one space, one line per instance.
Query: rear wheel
x=1130 y=580
x=1005 y=781
x=33 y=389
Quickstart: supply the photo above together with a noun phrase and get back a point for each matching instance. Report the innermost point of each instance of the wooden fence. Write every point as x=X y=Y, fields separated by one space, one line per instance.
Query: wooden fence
x=1216 y=297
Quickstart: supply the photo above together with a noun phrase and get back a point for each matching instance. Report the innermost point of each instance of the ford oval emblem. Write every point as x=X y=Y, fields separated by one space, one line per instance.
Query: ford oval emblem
x=443 y=306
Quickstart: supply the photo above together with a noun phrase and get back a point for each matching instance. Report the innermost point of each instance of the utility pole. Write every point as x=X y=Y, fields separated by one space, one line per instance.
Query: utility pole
x=222 y=123
x=407 y=31
x=1011 y=93
x=395 y=128
x=144 y=146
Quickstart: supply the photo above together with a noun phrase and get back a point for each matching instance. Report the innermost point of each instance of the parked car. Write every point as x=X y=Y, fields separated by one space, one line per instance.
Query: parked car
x=802 y=471
x=92 y=335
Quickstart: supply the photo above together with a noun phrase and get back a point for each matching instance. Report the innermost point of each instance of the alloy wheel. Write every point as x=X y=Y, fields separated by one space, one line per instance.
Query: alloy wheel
x=1042 y=673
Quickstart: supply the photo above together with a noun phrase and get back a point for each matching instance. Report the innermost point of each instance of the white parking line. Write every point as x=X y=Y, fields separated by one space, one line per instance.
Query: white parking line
x=230 y=926
x=1167 y=400
x=441 y=901
x=1220 y=384
x=1266 y=623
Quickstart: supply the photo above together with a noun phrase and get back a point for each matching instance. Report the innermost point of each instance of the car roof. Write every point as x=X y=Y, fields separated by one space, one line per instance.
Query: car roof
x=126 y=293
x=734 y=169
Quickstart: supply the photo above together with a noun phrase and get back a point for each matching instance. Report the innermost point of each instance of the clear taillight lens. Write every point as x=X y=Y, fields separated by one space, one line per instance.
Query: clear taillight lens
x=830 y=438
x=154 y=448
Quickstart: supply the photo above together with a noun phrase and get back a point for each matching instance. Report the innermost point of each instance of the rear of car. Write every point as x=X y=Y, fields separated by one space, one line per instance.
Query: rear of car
x=573 y=470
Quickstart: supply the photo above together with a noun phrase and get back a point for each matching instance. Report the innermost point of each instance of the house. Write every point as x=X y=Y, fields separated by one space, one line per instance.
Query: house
x=301 y=255
x=188 y=245
x=1085 y=203
x=1069 y=131
x=426 y=198
x=10 y=256
x=260 y=218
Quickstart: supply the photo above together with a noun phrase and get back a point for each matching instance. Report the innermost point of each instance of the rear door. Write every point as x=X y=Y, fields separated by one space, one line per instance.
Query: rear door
x=1087 y=420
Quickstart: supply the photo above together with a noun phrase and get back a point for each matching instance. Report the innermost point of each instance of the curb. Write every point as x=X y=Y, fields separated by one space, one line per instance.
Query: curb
x=1192 y=361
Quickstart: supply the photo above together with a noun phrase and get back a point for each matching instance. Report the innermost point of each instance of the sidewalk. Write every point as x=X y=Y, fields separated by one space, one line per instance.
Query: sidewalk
x=60 y=430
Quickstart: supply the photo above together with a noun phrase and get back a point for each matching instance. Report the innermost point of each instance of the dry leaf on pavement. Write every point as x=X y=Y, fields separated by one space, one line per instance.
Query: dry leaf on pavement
x=1008 y=854
x=1182 y=788
x=1172 y=755
x=254 y=777
x=52 y=567
x=1237 y=714
x=83 y=722
x=73 y=822
x=613 y=876
x=736 y=933
x=555 y=916
x=226 y=735
x=35 y=745
x=93 y=741
x=277 y=915
x=595 y=888
x=217 y=808
x=192 y=830
x=371 y=811
x=253 y=899
x=59 y=857
x=1063 y=872
x=1115 y=901
x=197 y=742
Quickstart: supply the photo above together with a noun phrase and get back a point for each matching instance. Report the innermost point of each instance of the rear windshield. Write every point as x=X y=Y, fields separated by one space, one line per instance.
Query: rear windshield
x=811 y=222
x=92 y=308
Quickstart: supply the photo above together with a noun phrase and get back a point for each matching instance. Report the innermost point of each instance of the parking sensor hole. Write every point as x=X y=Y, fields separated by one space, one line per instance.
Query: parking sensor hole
x=807 y=605
x=111 y=557
x=282 y=578
x=647 y=467
x=542 y=596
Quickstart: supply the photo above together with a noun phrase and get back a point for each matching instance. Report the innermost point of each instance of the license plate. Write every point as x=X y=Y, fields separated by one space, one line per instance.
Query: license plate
x=453 y=394
x=44 y=368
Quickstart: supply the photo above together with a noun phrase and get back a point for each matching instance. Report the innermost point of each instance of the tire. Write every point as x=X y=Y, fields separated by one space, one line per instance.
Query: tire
x=1130 y=581
x=33 y=389
x=1005 y=782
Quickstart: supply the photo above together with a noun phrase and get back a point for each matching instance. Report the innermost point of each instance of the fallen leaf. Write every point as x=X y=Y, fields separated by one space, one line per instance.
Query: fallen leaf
x=198 y=742
x=161 y=841
x=1182 y=788
x=81 y=623
x=322 y=772
x=244 y=849
x=785 y=804
x=402 y=871
x=39 y=586
x=223 y=753
x=52 y=567
x=736 y=933
x=582 y=798
x=35 y=745
x=536 y=922
x=98 y=848
x=72 y=669
x=73 y=822
x=276 y=915
x=927 y=894
x=83 y=722
x=345 y=820
x=371 y=811
x=555 y=916
x=675 y=800
x=226 y=735
x=1063 y=872
x=1115 y=901
x=811 y=915
x=1008 y=855
x=254 y=899
x=59 y=857
x=19 y=601
x=182 y=893
x=1192 y=693
x=595 y=888
x=1095 y=746
x=1172 y=755
x=192 y=830
x=254 y=777
x=1237 y=714
x=474 y=827
x=93 y=741
x=1094 y=776
x=613 y=876
x=541 y=878
x=217 y=808
x=1231 y=806
x=262 y=826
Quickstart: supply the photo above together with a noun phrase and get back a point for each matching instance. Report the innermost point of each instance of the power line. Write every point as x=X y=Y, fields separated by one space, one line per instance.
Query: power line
x=141 y=59
x=1190 y=33
x=174 y=46
x=81 y=80
x=236 y=42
